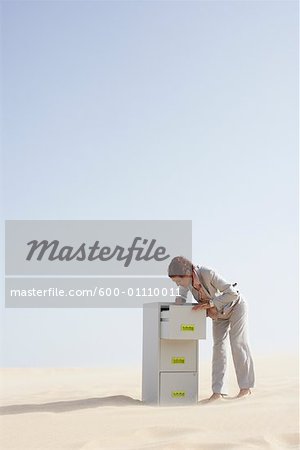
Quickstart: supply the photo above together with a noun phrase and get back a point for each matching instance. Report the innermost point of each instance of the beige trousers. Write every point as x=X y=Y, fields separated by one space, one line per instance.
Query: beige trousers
x=236 y=327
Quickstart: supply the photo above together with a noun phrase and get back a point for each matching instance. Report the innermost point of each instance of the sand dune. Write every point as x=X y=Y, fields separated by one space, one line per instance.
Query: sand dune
x=88 y=409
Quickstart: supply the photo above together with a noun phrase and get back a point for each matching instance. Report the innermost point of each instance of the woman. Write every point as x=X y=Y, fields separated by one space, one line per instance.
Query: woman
x=228 y=309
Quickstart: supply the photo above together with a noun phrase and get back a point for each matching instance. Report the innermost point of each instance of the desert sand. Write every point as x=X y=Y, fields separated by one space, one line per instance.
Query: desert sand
x=94 y=408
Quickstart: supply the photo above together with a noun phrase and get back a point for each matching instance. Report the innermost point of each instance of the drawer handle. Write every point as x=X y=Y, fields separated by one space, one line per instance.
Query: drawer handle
x=178 y=360
x=178 y=394
x=187 y=327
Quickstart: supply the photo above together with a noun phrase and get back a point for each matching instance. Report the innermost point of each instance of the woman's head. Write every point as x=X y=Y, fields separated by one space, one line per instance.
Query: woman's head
x=180 y=271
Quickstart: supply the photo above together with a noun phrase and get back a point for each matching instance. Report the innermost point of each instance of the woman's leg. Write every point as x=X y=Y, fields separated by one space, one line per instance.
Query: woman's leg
x=241 y=354
x=219 y=362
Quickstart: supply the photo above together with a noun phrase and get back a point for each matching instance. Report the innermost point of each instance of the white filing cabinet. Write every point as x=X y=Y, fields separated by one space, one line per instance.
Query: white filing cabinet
x=170 y=353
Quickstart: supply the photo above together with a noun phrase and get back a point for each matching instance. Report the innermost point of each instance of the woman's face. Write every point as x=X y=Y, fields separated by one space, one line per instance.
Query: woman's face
x=183 y=281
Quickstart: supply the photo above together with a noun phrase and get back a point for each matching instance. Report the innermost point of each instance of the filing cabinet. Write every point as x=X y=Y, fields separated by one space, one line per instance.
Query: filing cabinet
x=171 y=336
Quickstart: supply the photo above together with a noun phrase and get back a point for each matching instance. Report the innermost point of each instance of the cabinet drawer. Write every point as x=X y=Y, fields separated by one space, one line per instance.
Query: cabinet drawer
x=181 y=322
x=179 y=388
x=176 y=355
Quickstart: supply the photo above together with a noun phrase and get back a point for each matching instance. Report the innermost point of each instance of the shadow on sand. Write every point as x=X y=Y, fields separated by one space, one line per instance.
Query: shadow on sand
x=70 y=405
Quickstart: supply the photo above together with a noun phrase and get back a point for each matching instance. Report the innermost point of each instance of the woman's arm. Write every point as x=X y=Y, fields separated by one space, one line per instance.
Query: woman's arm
x=211 y=311
x=229 y=296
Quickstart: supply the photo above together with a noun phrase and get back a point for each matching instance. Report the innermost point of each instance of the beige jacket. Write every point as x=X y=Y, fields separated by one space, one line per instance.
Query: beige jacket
x=223 y=295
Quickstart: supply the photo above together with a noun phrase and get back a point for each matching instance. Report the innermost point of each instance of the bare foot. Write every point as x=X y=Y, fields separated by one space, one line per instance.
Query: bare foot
x=243 y=393
x=212 y=398
x=215 y=396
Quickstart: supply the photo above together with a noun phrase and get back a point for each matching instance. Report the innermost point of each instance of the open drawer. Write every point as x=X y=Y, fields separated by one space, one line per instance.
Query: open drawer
x=181 y=322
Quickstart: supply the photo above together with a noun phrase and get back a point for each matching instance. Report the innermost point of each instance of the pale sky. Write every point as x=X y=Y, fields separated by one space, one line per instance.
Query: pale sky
x=155 y=110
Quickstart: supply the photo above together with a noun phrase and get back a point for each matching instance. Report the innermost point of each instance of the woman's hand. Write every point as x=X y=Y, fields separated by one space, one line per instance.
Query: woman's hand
x=212 y=313
x=201 y=306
